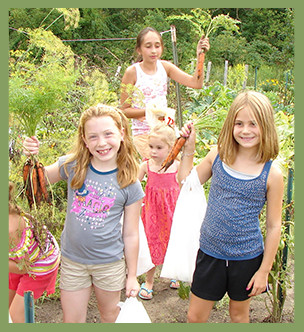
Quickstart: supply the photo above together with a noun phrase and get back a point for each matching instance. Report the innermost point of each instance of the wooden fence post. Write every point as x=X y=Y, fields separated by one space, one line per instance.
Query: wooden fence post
x=246 y=76
x=255 y=77
x=208 y=71
x=226 y=72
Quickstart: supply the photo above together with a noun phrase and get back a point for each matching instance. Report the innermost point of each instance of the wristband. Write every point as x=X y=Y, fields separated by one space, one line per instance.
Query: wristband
x=187 y=154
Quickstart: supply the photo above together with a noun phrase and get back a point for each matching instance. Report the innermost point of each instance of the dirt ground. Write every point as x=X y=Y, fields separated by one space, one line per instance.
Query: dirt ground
x=167 y=307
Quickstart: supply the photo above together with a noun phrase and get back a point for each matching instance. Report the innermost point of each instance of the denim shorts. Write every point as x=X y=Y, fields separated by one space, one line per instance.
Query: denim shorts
x=75 y=276
x=213 y=277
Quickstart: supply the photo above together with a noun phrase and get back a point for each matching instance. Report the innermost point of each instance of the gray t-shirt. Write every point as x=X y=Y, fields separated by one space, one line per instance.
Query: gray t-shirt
x=92 y=231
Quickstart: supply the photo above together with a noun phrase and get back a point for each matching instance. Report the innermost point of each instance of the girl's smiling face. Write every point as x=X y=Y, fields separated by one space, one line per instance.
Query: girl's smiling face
x=246 y=131
x=103 y=139
x=151 y=47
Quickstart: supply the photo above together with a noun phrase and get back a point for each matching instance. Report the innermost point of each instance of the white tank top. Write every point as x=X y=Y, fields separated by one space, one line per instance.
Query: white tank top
x=150 y=89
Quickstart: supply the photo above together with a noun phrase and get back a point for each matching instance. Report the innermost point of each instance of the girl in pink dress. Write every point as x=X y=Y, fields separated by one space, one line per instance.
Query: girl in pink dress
x=162 y=190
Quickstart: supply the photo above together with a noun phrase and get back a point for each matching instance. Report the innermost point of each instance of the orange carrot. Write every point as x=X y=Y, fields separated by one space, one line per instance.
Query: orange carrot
x=26 y=171
x=27 y=186
x=42 y=182
x=179 y=143
x=200 y=64
x=34 y=180
x=28 y=190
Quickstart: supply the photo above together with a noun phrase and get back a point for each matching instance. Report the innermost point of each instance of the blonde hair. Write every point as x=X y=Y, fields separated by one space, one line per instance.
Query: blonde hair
x=126 y=157
x=263 y=114
x=164 y=132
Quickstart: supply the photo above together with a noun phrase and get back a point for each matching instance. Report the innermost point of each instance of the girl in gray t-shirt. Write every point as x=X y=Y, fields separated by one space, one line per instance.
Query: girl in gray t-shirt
x=97 y=252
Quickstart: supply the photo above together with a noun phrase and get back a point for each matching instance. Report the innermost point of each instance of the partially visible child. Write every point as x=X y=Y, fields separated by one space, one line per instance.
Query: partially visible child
x=33 y=265
x=97 y=253
x=233 y=257
x=162 y=190
x=149 y=75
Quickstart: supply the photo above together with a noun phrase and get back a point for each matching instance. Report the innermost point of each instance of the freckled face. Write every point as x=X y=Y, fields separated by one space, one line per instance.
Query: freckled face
x=246 y=131
x=103 y=140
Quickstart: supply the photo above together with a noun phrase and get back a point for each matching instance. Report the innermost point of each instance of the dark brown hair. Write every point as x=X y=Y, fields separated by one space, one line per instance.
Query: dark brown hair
x=140 y=38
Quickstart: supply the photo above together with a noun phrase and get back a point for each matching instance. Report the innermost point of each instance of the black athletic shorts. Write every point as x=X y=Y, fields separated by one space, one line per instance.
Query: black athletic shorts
x=214 y=277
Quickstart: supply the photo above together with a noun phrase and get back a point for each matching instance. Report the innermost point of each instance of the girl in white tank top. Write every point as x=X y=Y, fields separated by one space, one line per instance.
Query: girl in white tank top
x=150 y=76
x=152 y=89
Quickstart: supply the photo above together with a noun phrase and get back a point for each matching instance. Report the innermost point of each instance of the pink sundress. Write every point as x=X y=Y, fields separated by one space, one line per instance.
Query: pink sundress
x=162 y=191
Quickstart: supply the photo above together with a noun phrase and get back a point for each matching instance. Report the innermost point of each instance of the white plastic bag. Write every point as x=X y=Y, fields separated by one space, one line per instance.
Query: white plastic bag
x=132 y=311
x=144 y=262
x=183 y=244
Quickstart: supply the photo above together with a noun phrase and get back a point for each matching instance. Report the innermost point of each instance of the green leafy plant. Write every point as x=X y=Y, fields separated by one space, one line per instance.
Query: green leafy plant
x=38 y=88
x=184 y=290
x=204 y=23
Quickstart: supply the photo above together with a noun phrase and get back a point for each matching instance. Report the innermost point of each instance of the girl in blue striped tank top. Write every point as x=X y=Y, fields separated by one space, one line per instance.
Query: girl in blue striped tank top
x=233 y=257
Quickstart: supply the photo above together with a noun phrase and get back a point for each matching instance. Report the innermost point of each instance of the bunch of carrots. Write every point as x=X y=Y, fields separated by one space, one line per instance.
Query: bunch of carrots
x=204 y=23
x=34 y=181
x=203 y=121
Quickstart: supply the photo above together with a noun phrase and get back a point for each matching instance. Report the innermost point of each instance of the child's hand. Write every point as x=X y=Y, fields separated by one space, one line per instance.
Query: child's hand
x=132 y=287
x=258 y=283
x=31 y=146
x=203 y=45
x=188 y=131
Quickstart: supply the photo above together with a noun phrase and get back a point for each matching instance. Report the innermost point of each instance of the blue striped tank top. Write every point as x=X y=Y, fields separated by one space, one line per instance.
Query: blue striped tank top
x=231 y=228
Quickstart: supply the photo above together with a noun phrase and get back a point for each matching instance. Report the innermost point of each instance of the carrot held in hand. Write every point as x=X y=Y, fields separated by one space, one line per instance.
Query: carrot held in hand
x=42 y=181
x=26 y=170
x=202 y=48
x=200 y=65
x=34 y=178
x=27 y=185
x=34 y=181
x=179 y=143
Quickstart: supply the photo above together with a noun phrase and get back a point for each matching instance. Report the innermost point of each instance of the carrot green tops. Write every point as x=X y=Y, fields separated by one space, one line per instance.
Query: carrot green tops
x=41 y=262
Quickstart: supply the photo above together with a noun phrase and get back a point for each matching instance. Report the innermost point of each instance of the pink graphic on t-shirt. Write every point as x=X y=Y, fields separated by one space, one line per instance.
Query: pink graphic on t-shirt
x=89 y=202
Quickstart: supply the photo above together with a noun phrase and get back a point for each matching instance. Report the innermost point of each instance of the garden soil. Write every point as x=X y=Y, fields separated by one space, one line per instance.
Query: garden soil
x=167 y=307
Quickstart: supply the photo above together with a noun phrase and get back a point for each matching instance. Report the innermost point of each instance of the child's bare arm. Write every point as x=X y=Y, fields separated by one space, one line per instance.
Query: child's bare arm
x=275 y=190
x=131 y=242
x=142 y=171
x=14 y=268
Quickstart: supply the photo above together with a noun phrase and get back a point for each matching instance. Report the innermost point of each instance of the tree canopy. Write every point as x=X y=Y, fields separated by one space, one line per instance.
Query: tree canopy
x=255 y=43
